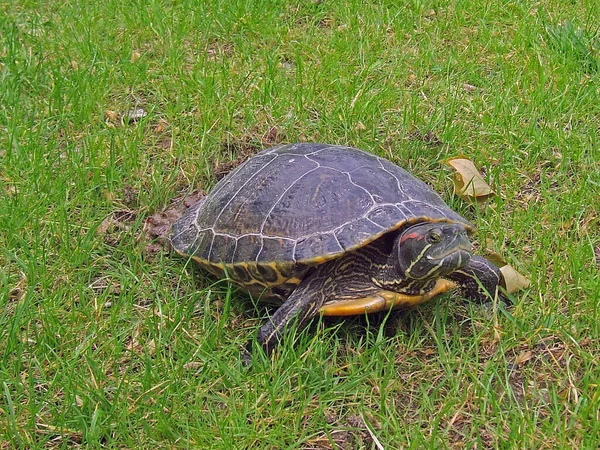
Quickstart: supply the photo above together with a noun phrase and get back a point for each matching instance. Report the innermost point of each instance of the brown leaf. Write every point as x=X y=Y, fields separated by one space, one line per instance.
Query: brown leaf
x=135 y=55
x=193 y=365
x=17 y=293
x=161 y=126
x=165 y=143
x=468 y=182
x=111 y=116
x=495 y=258
x=11 y=190
x=523 y=357
x=513 y=279
x=104 y=226
x=118 y=220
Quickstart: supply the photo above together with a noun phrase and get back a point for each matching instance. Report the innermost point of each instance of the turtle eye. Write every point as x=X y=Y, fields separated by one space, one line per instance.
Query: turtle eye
x=434 y=237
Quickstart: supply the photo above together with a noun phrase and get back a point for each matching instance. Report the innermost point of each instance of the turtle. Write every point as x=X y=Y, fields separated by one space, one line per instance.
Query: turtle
x=331 y=230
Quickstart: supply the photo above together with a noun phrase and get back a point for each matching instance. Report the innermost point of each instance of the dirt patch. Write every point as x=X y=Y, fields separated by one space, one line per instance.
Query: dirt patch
x=348 y=432
x=531 y=192
x=154 y=234
x=115 y=225
x=130 y=196
x=216 y=49
x=429 y=138
x=157 y=227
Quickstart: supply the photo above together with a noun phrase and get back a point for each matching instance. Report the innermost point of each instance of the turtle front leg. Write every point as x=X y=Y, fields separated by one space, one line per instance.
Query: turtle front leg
x=479 y=280
x=299 y=308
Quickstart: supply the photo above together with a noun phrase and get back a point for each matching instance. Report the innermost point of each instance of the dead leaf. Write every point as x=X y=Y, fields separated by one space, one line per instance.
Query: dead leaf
x=161 y=126
x=165 y=143
x=468 y=182
x=193 y=365
x=135 y=55
x=495 y=258
x=427 y=352
x=104 y=226
x=514 y=280
x=151 y=347
x=523 y=357
x=17 y=293
x=111 y=116
x=11 y=190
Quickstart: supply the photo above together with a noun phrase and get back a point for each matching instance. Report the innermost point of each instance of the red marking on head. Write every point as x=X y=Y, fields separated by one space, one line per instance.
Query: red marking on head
x=413 y=235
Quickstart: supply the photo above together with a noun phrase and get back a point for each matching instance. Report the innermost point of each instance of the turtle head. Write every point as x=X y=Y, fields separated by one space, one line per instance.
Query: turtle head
x=431 y=250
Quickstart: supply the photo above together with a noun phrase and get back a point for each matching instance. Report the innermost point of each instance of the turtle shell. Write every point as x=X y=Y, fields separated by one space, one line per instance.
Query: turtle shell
x=294 y=206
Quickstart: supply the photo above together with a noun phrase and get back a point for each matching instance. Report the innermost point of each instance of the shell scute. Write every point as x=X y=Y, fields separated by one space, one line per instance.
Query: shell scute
x=248 y=247
x=321 y=245
x=382 y=185
x=222 y=249
x=319 y=201
x=275 y=249
x=362 y=230
x=386 y=216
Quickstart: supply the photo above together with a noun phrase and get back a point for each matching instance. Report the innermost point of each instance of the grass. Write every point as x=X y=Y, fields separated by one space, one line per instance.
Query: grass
x=105 y=345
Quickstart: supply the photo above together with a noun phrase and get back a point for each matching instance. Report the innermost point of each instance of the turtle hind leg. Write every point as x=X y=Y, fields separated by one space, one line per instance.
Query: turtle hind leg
x=479 y=280
x=300 y=307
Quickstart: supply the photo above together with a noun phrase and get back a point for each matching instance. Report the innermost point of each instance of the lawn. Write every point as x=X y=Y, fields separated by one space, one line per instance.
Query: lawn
x=112 y=112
